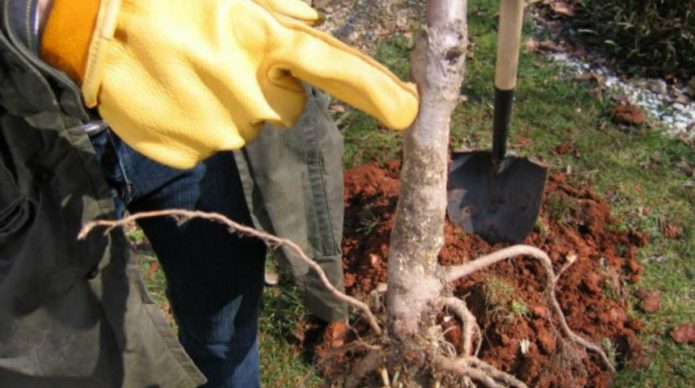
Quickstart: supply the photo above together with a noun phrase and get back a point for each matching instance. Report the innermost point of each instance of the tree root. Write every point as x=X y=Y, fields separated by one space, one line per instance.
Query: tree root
x=478 y=370
x=468 y=366
x=273 y=242
x=456 y=272
x=468 y=321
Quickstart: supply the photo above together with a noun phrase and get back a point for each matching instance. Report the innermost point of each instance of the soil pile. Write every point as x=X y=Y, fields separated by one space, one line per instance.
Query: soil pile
x=507 y=299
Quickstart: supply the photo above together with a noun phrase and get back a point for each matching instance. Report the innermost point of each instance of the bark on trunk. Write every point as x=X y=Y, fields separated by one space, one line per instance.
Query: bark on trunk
x=418 y=234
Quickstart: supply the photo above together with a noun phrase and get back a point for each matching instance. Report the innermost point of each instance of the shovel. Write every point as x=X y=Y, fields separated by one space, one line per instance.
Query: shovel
x=489 y=193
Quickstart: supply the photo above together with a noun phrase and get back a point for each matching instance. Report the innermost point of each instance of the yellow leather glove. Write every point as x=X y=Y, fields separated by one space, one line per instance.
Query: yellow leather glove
x=181 y=79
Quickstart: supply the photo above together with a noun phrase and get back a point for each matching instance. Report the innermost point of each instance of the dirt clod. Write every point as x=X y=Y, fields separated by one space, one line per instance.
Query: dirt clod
x=683 y=334
x=650 y=301
x=629 y=114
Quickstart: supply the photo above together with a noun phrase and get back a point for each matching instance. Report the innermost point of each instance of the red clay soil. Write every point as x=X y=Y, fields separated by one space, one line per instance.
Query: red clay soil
x=574 y=222
x=683 y=334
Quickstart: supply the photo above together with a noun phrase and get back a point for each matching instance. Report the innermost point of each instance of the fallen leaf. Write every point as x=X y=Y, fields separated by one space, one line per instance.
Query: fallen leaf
x=626 y=113
x=521 y=142
x=154 y=266
x=644 y=211
x=671 y=230
x=590 y=76
x=564 y=148
x=683 y=334
x=532 y=44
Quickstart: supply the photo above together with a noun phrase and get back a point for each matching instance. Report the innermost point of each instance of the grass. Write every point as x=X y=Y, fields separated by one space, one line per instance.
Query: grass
x=365 y=141
x=501 y=302
x=656 y=37
x=369 y=221
x=635 y=169
x=560 y=208
x=610 y=349
x=283 y=362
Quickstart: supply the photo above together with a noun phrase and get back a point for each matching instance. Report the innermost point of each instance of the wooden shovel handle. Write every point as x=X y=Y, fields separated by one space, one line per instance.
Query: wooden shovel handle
x=509 y=43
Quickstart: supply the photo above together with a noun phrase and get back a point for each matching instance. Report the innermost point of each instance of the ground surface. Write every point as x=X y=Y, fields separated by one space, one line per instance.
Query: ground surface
x=508 y=298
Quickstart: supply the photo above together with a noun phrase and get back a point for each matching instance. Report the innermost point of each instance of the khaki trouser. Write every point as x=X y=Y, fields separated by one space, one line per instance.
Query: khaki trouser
x=293 y=182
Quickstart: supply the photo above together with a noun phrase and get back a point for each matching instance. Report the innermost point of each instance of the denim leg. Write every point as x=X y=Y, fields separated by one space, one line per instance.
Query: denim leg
x=214 y=278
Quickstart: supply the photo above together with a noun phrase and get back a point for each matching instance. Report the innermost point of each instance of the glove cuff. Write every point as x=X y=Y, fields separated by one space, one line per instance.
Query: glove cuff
x=66 y=38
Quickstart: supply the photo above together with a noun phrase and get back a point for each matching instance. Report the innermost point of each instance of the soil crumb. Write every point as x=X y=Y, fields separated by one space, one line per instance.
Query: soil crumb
x=683 y=334
x=507 y=299
x=650 y=300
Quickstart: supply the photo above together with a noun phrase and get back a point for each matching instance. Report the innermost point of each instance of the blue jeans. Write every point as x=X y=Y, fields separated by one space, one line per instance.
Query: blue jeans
x=214 y=278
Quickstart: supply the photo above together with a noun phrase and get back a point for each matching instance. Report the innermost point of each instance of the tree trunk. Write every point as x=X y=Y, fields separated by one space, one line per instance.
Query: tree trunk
x=418 y=234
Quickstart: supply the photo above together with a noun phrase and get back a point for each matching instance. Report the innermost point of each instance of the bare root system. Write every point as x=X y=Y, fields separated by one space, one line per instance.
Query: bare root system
x=467 y=365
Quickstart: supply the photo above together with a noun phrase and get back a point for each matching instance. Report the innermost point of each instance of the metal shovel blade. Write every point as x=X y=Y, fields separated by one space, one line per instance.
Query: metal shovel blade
x=500 y=206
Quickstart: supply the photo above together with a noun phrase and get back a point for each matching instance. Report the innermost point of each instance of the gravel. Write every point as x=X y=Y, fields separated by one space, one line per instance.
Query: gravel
x=668 y=104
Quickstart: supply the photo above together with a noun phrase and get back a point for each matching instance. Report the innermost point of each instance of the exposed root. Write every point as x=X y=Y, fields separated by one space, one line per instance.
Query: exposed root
x=456 y=272
x=385 y=377
x=468 y=321
x=469 y=367
x=496 y=373
x=476 y=369
x=273 y=242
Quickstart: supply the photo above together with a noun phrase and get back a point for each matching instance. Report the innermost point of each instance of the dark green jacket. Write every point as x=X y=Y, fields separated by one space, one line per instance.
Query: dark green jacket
x=293 y=181
x=76 y=313
x=72 y=313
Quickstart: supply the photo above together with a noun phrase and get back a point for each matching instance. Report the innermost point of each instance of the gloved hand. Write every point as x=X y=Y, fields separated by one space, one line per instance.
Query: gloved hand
x=181 y=79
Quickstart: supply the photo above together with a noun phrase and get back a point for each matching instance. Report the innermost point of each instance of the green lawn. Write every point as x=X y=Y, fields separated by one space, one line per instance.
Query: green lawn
x=636 y=169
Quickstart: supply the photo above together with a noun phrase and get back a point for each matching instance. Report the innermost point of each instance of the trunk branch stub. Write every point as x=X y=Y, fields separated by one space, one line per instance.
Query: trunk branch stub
x=437 y=66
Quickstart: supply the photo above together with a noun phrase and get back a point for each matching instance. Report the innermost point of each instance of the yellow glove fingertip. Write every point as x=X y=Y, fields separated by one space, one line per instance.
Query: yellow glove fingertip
x=295 y=9
x=408 y=109
x=399 y=110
